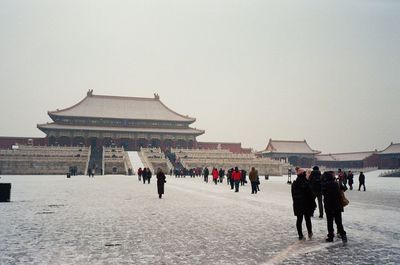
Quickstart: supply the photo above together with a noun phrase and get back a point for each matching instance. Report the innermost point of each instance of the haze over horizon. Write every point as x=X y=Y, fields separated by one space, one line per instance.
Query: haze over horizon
x=324 y=71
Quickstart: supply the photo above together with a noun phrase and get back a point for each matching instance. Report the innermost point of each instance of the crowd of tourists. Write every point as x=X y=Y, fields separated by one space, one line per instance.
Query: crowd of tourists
x=235 y=177
x=328 y=190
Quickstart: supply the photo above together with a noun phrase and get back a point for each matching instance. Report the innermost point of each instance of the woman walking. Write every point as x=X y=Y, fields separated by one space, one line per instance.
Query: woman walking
x=160 y=182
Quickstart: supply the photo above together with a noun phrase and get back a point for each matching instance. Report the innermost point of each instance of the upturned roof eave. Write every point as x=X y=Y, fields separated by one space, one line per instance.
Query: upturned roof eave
x=53 y=114
x=45 y=127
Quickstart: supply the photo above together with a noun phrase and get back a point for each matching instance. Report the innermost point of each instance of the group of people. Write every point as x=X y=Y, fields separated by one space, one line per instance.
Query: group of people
x=348 y=178
x=144 y=174
x=311 y=185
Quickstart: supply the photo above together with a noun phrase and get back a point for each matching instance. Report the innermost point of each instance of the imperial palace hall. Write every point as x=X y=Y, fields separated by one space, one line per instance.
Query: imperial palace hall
x=131 y=122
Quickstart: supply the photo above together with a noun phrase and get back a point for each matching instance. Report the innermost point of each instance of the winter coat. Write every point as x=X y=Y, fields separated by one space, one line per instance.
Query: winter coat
x=253 y=175
x=361 y=178
x=236 y=175
x=315 y=181
x=303 y=198
x=160 y=182
x=331 y=192
x=221 y=173
x=215 y=174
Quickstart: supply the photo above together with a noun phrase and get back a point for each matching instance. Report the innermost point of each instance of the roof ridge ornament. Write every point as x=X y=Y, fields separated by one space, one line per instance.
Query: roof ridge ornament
x=90 y=93
x=156 y=96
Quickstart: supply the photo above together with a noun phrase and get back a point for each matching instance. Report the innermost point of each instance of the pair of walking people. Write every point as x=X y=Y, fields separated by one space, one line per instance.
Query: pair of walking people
x=304 y=203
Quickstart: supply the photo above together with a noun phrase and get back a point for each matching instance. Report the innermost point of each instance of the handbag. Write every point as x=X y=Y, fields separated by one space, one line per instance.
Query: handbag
x=343 y=200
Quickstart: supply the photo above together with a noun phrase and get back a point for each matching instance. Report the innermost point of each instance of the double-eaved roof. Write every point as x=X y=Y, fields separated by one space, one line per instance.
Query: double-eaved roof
x=113 y=107
x=289 y=147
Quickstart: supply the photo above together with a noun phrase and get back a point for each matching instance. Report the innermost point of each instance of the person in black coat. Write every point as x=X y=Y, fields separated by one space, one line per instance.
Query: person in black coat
x=333 y=206
x=315 y=182
x=221 y=174
x=148 y=175
x=160 y=182
x=361 y=180
x=206 y=172
x=303 y=203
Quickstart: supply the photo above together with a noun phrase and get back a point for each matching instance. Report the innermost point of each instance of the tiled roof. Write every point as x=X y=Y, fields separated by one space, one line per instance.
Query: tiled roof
x=133 y=108
x=391 y=149
x=356 y=156
x=289 y=147
x=56 y=126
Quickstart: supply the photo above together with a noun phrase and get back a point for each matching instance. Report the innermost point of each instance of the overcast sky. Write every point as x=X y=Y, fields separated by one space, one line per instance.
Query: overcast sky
x=248 y=70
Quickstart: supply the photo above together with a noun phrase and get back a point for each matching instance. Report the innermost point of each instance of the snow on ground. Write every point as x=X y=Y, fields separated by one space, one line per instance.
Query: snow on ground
x=118 y=220
x=136 y=162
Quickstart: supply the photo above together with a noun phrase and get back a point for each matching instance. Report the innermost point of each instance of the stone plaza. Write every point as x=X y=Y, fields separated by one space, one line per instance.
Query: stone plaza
x=119 y=220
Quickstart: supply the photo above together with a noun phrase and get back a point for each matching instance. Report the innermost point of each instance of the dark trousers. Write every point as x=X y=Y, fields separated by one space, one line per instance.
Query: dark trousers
x=215 y=181
x=320 y=205
x=232 y=183
x=148 y=180
x=299 y=224
x=338 y=220
x=361 y=184
x=206 y=179
x=237 y=185
x=144 y=180
x=254 y=187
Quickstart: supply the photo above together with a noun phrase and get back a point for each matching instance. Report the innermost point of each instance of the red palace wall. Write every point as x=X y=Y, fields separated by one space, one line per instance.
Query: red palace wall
x=8 y=142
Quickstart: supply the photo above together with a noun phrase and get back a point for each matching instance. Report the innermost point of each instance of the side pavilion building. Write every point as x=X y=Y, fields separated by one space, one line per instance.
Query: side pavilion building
x=131 y=122
x=297 y=153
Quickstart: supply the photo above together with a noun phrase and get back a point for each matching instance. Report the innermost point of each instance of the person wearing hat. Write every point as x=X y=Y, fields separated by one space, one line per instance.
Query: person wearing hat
x=315 y=182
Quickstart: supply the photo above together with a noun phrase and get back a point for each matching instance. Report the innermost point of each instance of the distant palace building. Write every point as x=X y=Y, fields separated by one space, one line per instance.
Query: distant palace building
x=390 y=157
x=297 y=153
x=354 y=160
x=131 y=122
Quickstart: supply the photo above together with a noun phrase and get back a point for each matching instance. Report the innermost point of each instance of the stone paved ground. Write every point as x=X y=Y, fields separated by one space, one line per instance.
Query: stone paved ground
x=117 y=220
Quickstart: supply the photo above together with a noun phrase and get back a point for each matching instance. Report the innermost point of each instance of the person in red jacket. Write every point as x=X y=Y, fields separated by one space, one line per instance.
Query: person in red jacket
x=236 y=176
x=215 y=175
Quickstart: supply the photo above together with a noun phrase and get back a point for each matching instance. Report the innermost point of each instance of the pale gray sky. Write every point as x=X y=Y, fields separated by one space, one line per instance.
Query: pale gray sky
x=248 y=70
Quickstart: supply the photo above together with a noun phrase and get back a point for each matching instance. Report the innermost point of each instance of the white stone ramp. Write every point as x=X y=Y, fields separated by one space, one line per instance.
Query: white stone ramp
x=135 y=160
